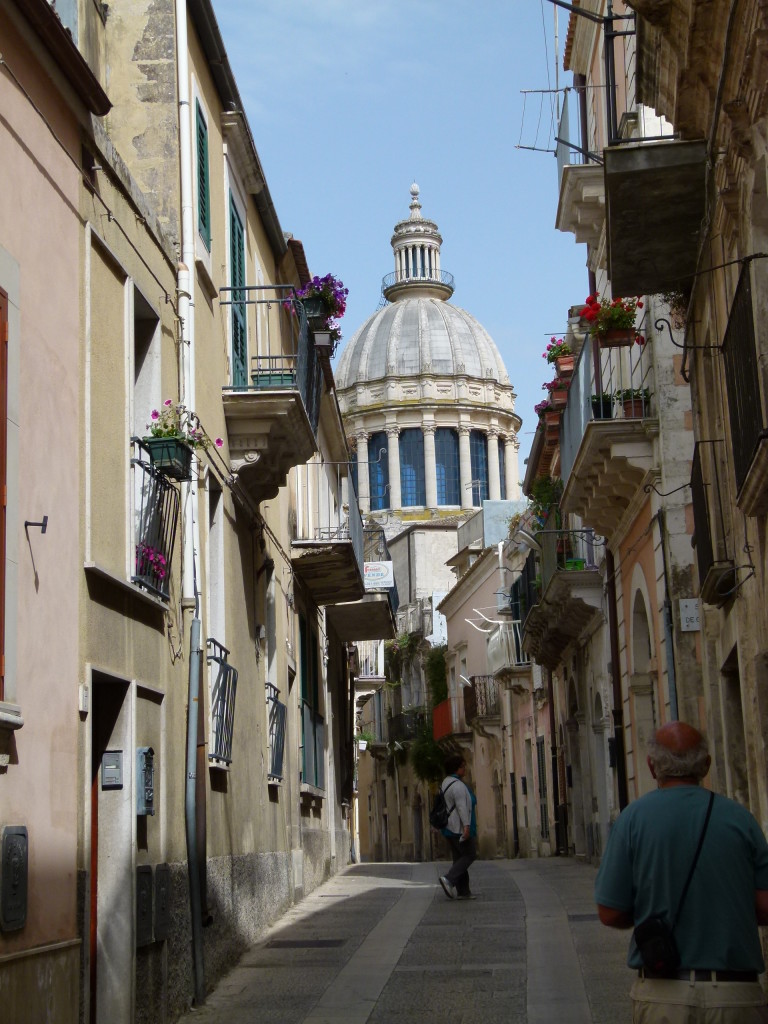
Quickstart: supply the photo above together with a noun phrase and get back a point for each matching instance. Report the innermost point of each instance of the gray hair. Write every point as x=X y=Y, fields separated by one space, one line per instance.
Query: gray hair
x=670 y=764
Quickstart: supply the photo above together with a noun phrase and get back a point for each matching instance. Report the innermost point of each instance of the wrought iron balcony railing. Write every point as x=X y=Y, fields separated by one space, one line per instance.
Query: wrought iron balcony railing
x=312 y=747
x=156 y=504
x=404 y=726
x=223 y=683
x=742 y=374
x=481 y=699
x=276 y=714
x=714 y=551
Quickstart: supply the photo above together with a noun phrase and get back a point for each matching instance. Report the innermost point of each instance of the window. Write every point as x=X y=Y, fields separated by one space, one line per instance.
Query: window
x=378 y=471
x=312 y=725
x=541 y=763
x=412 y=487
x=238 y=307
x=223 y=684
x=478 y=455
x=502 y=472
x=203 y=180
x=447 y=466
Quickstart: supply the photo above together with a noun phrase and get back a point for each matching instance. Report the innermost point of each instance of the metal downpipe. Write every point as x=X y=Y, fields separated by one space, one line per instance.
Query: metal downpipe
x=190 y=812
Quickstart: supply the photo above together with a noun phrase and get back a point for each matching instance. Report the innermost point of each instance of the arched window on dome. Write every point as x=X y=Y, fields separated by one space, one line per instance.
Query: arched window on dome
x=502 y=472
x=447 y=466
x=478 y=456
x=378 y=471
x=412 y=485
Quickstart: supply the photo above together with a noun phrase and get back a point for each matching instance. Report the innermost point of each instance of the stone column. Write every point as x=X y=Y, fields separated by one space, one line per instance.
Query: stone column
x=393 y=462
x=363 y=479
x=494 y=480
x=510 y=461
x=465 y=468
x=430 y=466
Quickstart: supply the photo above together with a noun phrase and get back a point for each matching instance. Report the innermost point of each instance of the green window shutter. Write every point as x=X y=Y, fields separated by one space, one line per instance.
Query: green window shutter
x=203 y=181
x=238 y=307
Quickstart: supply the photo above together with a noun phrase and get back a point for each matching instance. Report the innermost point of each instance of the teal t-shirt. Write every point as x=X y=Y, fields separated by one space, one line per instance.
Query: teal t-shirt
x=646 y=862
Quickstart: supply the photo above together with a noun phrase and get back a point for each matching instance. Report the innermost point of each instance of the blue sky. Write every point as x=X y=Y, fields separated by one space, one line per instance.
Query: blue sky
x=349 y=102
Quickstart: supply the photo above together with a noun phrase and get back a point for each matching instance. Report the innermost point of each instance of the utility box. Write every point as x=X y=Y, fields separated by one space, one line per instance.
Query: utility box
x=14 y=860
x=145 y=780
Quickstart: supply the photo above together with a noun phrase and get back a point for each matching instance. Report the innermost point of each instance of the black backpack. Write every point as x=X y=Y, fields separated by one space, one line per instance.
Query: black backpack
x=438 y=816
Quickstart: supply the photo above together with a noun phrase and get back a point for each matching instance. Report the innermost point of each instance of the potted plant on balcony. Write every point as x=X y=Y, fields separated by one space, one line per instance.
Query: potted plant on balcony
x=613 y=320
x=602 y=406
x=560 y=353
x=324 y=300
x=558 y=392
x=174 y=434
x=635 y=402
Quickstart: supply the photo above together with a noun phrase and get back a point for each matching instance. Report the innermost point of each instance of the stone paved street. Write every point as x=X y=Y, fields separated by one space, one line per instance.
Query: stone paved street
x=381 y=943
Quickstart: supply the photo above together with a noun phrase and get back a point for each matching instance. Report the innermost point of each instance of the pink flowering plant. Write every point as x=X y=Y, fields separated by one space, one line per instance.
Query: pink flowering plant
x=174 y=421
x=555 y=349
x=150 y=561
x=604 y=314
x=558 y=384
x=541 y=407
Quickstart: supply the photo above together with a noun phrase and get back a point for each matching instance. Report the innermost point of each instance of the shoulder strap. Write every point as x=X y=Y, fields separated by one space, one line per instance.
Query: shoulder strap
x=695 y=859
x=444 y=791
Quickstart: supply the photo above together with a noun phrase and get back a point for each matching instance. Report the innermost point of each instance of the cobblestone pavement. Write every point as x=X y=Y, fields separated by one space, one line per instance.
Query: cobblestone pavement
x=381 y=943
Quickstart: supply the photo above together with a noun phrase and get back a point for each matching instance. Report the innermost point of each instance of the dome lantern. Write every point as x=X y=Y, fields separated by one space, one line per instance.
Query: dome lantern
x=416 y=246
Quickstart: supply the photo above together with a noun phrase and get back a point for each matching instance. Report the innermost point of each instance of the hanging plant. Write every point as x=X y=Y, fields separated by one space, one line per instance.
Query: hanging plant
x=427 y=755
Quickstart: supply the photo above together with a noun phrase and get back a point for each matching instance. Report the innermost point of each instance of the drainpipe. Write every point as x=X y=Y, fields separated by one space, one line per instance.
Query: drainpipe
x=618 y=703
x=189 y=496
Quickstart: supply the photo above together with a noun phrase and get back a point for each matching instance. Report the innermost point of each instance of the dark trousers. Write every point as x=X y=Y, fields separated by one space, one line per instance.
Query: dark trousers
x=463 y=855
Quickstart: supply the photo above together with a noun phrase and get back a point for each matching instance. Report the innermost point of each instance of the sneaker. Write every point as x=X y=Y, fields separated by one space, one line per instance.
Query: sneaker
x=448 y=889
x=467 y=896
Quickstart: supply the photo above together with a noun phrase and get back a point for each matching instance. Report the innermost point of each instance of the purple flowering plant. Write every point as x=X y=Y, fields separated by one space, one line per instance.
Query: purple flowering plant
x=334 y=297
x=558 y=384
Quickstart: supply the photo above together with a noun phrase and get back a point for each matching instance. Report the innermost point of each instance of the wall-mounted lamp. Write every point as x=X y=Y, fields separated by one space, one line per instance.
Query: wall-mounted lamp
x=522 y=536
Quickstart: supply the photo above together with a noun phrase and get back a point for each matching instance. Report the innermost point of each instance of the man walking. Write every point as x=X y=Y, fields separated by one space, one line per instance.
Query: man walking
x=643 y=874
x=461 y=830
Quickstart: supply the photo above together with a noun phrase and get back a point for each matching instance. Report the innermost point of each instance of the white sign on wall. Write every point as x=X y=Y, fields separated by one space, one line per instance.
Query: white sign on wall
x=689 y=615
x=378 y=575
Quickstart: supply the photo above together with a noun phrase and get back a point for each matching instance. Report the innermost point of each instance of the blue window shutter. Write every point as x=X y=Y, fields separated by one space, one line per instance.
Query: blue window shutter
x=238 y=307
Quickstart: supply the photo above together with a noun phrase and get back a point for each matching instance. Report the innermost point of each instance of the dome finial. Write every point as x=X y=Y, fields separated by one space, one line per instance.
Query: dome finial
x=415 y=204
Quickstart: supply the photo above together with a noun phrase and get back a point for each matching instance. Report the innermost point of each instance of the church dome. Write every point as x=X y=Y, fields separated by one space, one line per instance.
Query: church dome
x=415 y=336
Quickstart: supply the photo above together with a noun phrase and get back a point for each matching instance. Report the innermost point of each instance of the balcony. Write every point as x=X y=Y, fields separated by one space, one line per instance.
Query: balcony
x=507 y=661
x=448 y=719
x=655 y=203
x=327 y=547
x=481 y=701
x=749 y=436
x=223 y=688
x=405 y=726
x=156 y=501
x=607 y=446
x=272 y=406
x=712 y=537
x=373 y=617
x=571 y=603
x=276 y=718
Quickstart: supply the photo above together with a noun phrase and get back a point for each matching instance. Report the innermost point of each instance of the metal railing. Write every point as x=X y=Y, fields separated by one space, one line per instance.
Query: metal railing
x=742 y=375
x=710 y=525
x=322 y=514
x=567 y=551
x=368 y=659
x=223 y=683
x=375 y=549
x=481 y=699
x=404 y=726
x=276 y=715
x=400 y=277
x=156 y=503
x=505 y=646
x=282 y=348
x=609 y=375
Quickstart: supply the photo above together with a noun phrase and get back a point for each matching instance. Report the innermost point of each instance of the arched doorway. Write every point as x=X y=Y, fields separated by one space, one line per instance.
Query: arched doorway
x=643 y=698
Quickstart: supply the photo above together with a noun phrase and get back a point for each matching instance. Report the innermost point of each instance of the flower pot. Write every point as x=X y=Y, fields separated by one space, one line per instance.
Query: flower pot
x=565 y=366
x=552 y=418
x=574 y=564
x=559 y=398
x=617 y=337
x=171 y=456
x=274 y=379
x=552 y=434
x=316 y=312
x=602 y=407
x=635 y=408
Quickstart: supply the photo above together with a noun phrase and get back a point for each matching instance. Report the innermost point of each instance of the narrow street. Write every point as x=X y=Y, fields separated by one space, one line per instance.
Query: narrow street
x=381 y=943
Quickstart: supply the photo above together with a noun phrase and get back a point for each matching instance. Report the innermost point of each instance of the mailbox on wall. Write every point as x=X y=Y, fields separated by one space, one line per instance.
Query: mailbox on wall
x=14 y=858
x=145 y=780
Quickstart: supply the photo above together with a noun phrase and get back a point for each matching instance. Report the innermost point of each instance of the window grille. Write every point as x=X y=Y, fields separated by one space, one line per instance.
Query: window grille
x=276 y=712
x=157 y=514
x=742 y=374
x=378 y=471
x=542 y=765
x=237 y=281
x=478 y=454
x=223 y=683
x=447 y=466
x=412 y=485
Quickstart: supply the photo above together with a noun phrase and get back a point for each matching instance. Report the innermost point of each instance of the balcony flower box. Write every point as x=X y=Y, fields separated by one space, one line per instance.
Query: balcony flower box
x=559 y=397
x=551 y=418
x=602 y=406
x=565 y=365
x=172 y=456
x=617 y=337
